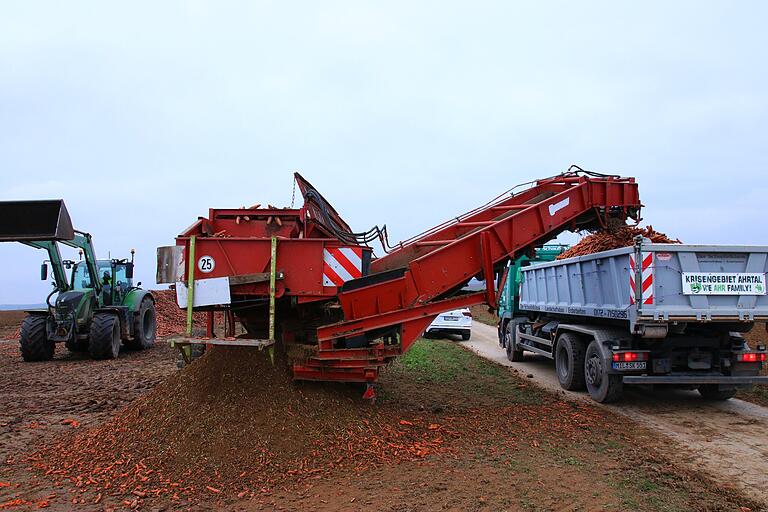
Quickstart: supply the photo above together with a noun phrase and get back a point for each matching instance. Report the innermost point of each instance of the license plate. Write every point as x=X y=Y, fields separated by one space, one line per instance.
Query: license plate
x=451 y=318
x=635 y=365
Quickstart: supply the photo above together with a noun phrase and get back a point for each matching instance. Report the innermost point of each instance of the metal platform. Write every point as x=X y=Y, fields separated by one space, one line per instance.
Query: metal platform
x=240 y=342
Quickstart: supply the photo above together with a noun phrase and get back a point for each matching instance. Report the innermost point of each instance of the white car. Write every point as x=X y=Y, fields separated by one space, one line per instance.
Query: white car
x=458 y=321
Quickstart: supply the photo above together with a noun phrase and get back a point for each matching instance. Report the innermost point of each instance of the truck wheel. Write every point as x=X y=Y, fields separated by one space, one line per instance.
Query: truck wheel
x=466 y=335
x=145 y=326
x=514 y=354
x=602 y=386
x=569 y=361
x=713 y=392
x=34 y=343
x=104 y=342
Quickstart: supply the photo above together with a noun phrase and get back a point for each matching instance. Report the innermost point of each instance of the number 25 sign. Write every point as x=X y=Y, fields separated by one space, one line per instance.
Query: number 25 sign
x=206 y=264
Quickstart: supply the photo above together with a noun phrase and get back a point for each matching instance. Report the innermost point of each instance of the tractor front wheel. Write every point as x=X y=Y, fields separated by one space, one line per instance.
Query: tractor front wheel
x=144 y=327
x=104 y=340
x=35 y=345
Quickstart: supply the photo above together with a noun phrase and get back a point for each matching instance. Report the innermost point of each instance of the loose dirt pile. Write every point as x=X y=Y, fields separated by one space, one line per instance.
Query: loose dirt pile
x=170 y=318
x=615 y=239
x=232 y=424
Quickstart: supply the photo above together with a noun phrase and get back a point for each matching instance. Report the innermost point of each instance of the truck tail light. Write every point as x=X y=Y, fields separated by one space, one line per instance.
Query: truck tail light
x=467 y=313
x=751 y=357
x=620 y=357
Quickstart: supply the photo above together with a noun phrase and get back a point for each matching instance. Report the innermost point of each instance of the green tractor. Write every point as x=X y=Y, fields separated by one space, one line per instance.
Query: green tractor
x=97 y=309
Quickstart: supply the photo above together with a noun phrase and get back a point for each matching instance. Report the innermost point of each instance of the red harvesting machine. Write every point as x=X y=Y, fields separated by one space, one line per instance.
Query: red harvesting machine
x=302 y=277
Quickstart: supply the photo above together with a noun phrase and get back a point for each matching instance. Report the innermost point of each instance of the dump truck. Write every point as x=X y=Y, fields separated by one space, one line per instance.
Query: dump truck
x=658 y=314
x=95 y=309
x=301 y=277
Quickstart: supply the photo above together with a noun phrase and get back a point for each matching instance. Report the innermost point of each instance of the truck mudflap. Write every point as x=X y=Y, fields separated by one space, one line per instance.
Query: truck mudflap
x=696 y=379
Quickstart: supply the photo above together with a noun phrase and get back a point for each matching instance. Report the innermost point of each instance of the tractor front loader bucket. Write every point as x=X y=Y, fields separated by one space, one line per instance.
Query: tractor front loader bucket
x=30 y=221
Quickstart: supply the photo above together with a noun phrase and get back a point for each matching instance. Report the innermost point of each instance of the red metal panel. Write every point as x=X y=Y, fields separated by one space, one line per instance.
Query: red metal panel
x=300 y=260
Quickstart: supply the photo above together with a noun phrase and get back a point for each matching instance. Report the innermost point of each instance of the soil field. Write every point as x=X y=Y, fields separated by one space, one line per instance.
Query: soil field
x=450 y=431
x=10 y=321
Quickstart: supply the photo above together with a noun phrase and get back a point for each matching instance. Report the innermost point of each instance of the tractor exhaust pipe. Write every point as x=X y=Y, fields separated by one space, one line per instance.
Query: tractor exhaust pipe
x=30 y=221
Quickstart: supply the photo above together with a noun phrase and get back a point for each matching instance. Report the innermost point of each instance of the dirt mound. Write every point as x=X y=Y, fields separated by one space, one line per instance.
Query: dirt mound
x=233 y=423
x=615 y=239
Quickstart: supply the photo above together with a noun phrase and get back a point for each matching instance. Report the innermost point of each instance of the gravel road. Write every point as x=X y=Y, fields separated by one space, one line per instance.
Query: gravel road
x=728 y=440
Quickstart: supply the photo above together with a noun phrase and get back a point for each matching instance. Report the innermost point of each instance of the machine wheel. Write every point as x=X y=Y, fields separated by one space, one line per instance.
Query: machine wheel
x=569 y=361
x=104 y=341
x=77 y=345
x=510 y=342
x=713 y=392
x=501 y=334
x=34 y=342
x=145 y=326
x=465 y=336
x=602 y=386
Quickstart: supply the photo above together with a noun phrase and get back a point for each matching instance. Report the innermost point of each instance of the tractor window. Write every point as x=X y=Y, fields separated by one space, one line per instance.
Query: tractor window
x=81 y=278
x=119 y=278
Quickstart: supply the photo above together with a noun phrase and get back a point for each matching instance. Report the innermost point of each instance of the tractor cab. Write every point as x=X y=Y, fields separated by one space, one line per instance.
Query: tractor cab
x=115 y=276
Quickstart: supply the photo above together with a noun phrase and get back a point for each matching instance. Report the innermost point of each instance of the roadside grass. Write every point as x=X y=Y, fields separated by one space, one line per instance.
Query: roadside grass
x=639 y=489
x=445 y=363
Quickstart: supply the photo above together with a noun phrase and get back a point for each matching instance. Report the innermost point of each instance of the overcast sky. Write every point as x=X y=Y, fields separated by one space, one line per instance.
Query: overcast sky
x=143 y=115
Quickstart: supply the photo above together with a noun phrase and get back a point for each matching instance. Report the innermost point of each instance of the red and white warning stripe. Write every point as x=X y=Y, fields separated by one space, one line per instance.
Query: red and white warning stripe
x=341 y=264
x=647 y=277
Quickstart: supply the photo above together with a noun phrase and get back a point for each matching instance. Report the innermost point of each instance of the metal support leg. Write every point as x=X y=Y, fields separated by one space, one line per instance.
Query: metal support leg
x=190 y=284
x=272 y=273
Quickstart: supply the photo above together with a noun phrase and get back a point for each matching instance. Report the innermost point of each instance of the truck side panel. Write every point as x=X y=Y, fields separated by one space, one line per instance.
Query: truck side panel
x=582 y=286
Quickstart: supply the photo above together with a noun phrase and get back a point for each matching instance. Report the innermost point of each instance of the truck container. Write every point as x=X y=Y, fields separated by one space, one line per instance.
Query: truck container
x=660 y=314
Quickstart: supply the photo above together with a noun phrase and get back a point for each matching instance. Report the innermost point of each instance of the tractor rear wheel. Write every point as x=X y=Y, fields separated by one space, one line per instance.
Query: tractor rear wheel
x=104 y=340
x=35 y=345
x=144 y=327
